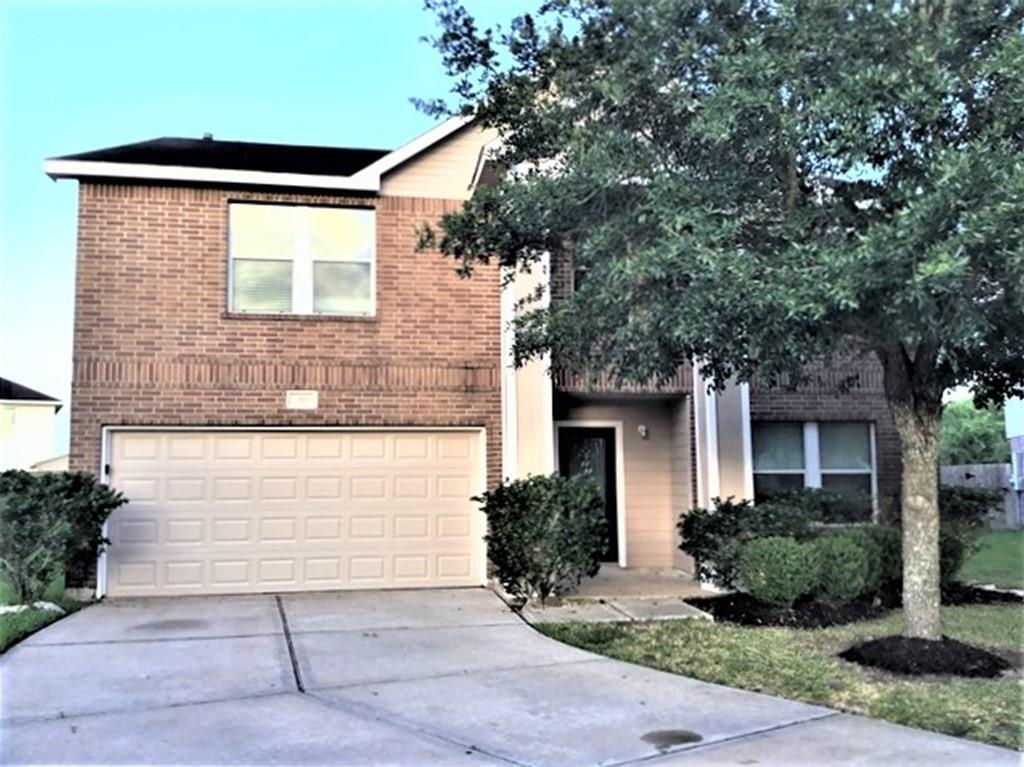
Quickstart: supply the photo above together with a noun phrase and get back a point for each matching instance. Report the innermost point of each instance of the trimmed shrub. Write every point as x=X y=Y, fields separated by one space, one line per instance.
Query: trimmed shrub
x=967 y=507
x=545 y=533
x=778 y=570
x=47 y=520
x=715 y=538
x=875 y=552
x=826 y=506
x=843 y=567
x=886 y=542
x=962 y=513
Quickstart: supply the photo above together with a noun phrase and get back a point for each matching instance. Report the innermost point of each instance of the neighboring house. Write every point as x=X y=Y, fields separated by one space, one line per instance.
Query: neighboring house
x=57 y=463
x=292 y=397
x=26 y=425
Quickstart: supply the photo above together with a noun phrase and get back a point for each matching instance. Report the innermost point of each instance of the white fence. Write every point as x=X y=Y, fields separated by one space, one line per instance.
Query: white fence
x=994 y=476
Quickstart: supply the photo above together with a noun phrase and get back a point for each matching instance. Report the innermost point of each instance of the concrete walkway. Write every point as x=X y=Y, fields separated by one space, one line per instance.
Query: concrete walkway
x=414 y=677
x=612 y=610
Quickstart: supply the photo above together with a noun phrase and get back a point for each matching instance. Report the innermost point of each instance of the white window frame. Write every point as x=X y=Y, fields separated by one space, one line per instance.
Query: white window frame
x=812 y=471
x=302 y=267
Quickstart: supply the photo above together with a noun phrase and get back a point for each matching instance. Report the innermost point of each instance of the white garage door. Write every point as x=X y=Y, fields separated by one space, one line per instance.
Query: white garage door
x=226 y=512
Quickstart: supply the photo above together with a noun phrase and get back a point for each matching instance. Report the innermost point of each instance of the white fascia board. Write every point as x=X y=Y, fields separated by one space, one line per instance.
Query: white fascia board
x=89 y=169
x=32 y=402
x=373 y=171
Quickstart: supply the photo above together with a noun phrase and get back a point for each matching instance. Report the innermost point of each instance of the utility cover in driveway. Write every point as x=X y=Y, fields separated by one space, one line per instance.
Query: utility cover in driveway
x=225 y=512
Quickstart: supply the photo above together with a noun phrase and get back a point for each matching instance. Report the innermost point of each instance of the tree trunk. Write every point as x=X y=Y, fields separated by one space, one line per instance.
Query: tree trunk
x=918 y=428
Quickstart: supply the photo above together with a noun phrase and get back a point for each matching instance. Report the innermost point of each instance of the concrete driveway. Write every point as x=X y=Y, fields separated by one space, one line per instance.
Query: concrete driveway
x=403 y=677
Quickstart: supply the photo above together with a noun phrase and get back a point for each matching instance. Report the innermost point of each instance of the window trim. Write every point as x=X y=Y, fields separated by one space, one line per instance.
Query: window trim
x=302 y=271
x=812 y=471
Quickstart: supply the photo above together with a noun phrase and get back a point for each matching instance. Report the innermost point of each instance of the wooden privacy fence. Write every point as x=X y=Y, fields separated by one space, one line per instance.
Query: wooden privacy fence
x=993 y=476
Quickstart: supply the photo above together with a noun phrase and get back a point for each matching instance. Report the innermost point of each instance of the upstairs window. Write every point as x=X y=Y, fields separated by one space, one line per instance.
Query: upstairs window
x=837 y=456
x=292 y=259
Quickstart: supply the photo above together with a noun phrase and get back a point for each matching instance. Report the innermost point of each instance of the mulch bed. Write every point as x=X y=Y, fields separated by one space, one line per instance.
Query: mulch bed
x=965 y=594
x=920 y=657
x=745 y=610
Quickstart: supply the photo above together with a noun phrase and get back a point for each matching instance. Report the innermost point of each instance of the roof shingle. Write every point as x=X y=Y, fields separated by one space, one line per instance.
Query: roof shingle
x=236 y=155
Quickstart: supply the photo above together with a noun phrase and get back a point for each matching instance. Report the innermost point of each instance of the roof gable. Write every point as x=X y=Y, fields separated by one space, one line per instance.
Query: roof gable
x=205 y=161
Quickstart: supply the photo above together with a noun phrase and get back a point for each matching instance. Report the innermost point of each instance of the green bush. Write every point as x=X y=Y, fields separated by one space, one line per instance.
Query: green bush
x=967 y=507
x=715 y=537
x=825 y=506
x=962 y=514
x=778 y=570
x=844 y=567
x=545 y=533
x=877 y=548
x=31 y=548
x=46 y=521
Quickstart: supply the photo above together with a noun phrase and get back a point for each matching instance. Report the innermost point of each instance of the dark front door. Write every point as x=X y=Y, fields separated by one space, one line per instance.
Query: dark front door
x=590 y=451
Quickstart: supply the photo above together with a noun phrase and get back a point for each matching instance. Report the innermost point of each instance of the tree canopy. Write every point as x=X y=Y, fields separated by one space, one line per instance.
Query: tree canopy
x=972 y=435
x=760 y=186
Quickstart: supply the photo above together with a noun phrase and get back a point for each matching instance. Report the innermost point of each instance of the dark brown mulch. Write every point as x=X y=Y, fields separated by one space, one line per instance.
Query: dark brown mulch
x=745 y=610
x=965 y=594
x=919 y=657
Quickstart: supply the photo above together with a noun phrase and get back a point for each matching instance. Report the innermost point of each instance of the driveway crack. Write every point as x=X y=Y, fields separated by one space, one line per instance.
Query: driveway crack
x=291 y=646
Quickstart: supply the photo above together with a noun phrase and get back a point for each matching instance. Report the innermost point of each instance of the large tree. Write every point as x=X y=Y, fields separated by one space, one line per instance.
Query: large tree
x=763 y=186
x=973 y=435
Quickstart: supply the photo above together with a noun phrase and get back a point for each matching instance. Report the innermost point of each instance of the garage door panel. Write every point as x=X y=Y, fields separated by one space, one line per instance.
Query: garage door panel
x=187 y=532
x=130 y=531
x=237 y=512
x=186 y=447
x=321 y=447
x=324 y=488
x=185 y=489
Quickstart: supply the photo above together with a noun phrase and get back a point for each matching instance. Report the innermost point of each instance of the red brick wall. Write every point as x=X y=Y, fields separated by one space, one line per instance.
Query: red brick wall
x=154 y=344
x=821 y=399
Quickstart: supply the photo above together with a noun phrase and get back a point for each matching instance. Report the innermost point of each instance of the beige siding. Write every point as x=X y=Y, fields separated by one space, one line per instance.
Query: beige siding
x=532 y=387
x=682 y=411
x=650 y=510
x=445 y=171
x=26 y=434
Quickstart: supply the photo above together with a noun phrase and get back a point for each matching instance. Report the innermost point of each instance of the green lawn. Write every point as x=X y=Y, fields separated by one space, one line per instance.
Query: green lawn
x=16 y=626
x=1000 y=560
x=801 y=664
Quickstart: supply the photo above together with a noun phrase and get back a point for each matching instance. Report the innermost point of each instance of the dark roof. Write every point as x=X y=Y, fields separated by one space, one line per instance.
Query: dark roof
x=237 y=155
x=15 y=391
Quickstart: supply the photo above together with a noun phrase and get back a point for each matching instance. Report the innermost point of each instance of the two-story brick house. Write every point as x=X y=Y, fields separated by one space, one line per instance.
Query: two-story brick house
x=292 y=397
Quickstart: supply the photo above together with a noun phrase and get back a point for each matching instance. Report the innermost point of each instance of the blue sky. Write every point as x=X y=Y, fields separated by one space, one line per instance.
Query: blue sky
x=78 y=75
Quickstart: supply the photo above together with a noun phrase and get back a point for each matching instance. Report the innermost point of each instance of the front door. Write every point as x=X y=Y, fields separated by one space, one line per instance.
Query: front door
x=590 y=451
